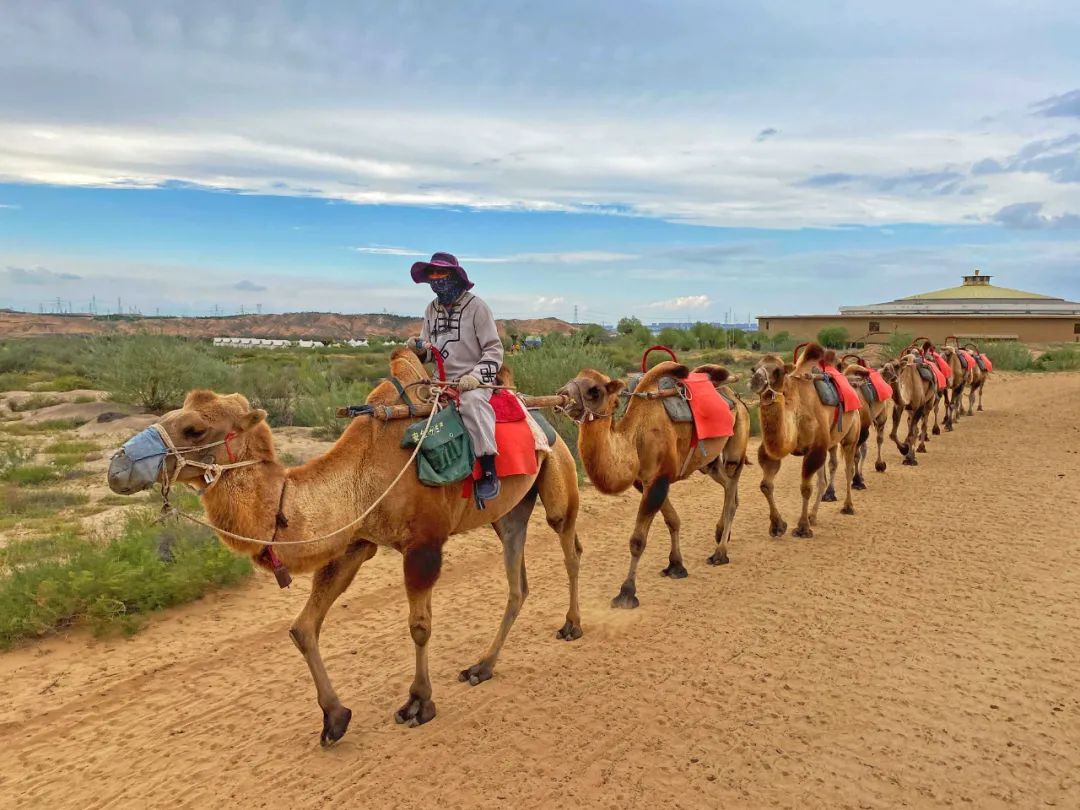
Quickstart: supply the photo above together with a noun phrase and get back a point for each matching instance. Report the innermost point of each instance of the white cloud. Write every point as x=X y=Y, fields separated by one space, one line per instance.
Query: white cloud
x=10 y=207
x=567 y=257
x=543 y=303
x=682 y=302
x=387 y=250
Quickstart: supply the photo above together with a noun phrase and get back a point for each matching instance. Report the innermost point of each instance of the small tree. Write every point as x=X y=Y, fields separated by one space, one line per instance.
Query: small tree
x=833 y=337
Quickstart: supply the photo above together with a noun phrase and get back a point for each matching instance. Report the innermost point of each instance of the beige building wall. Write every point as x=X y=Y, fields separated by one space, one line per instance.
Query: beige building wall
x=878 y=328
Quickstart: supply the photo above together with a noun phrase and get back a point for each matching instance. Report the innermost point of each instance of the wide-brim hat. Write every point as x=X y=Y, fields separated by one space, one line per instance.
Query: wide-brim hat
x=442 y=261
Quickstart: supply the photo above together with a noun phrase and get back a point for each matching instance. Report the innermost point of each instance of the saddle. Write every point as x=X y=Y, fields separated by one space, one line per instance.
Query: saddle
x=980 y=361
x=835 y=391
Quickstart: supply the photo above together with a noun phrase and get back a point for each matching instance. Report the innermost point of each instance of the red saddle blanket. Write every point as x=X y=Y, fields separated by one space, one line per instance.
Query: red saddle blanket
x=881 y=388
x=942 y=364
x=986 y=360
x=712 y=416
x=939 y=378
x=848 y=397
x=513 y=437
x=968 y=357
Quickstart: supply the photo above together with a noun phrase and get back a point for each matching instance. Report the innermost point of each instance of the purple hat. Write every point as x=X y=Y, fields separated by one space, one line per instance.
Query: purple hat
x=444 y=261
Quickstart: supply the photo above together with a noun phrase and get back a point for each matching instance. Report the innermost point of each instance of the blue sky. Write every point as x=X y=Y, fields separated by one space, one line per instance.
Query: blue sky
x=673 y=160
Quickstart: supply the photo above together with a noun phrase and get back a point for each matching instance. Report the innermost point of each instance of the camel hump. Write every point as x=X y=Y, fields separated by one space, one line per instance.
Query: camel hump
x=813 y=353
x=505 y=376
x=855 y=368
x=718 y=374
x=665 y=369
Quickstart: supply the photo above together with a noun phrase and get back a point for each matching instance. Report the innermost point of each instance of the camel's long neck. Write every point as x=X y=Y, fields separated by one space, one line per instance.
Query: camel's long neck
x=318 y=498
x=779 y=431
x=609 y=454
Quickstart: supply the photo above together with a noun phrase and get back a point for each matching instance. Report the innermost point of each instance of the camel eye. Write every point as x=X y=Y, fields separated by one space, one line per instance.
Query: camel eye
x=193 y=432
x=593 y=392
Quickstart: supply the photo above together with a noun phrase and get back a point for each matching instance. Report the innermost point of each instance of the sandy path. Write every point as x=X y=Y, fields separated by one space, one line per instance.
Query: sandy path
x=922 y=653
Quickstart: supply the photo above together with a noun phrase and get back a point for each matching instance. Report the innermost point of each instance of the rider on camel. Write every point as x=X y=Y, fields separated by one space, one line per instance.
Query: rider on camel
x=462 y=329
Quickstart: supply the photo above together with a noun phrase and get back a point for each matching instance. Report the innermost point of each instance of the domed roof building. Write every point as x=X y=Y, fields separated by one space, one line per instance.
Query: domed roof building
x=975 y=310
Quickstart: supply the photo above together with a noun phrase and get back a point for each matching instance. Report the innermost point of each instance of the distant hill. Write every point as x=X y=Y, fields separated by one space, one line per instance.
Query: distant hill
x=291 y=325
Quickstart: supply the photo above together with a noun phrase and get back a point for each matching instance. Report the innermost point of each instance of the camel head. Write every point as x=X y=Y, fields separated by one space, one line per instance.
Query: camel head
x=591 y=394
x=767 y=381
x=209 y=429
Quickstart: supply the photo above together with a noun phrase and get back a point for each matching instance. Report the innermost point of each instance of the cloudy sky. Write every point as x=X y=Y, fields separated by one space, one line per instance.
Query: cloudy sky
x=677 y=159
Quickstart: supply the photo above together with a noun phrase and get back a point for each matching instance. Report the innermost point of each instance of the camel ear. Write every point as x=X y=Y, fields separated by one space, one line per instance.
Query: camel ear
x=789 y=368
x=251 y=419
x=614 y=387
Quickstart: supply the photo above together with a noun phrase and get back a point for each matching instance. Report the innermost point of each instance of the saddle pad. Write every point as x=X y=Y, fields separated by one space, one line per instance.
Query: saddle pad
x=881 y=388
x=986 y=361
x=712 y=416
x=827 y=392
x=848 y=397
x=926 y=371
x=545 y=425
x=943 y=365
x=966 y=360
x=678 y=410
x=980 y=362
x=517 y=453
x=507 y=407
x=939 y=378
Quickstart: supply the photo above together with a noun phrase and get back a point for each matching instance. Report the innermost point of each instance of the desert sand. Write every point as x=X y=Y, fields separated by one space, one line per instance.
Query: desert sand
x=923 y=653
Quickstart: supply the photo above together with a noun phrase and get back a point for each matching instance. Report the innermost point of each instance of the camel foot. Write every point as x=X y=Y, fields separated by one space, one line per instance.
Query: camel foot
x=415 y=712
x=675 y=570
x=569 y=631
x=777 y=528
x=718 y=557
x=880 y=466
x=948 y=428
x=334 y=724
x=803 y=532
x=829 y=496
x=936 y=431
x=627 y=597
x=921 y=448
x=476 y=674
x=910 y=462
x=848 y=510
x=980 y=407
x=858 y=483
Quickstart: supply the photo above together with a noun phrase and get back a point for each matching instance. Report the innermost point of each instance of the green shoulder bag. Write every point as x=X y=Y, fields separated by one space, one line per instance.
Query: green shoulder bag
x=446 y=454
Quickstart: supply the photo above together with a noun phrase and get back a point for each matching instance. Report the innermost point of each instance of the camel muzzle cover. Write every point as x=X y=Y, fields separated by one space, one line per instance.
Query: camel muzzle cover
x=137 y=464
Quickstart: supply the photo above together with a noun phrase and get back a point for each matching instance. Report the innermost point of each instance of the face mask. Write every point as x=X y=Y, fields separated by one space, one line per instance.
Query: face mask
x=447 y=289
x=138 y=463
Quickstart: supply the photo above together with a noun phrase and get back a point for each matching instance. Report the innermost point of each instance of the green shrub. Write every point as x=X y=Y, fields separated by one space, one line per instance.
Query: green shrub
x=156 y=371
x=37 y=503
x=48 y=426
x=67 y=382
x=834 y=337
x=1066 y=358
x=72 y=446
x=62 y=581
x=1010 y=356
x=34 y=402
x=898 y=341
x=28 y=475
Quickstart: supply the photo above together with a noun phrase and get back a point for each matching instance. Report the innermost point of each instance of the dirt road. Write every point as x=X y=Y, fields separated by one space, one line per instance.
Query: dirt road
x=922 y=653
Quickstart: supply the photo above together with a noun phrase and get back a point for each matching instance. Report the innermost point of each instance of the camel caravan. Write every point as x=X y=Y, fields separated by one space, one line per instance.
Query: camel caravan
x=424 y=459
x=404 y=474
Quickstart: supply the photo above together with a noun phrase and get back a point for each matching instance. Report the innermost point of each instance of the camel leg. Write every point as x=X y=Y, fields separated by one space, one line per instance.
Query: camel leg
x=559 y=495
x=924 y=436
x=422 y=566
x=511 y=528
x=829 y=494
x=971 y=401
x=813 y=464
x=879 y=428
x=894 y=434
x=328 y=584
x=675 y=569
x=908 y=447
x=981 y=387
x=861 y=452
x=652 y=500
x=769 y=468
x=937 y=408
x=850 y=451
x=729 y=480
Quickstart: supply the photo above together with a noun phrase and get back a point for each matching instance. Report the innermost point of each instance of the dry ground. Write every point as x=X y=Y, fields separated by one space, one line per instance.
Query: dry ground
x=923 y=653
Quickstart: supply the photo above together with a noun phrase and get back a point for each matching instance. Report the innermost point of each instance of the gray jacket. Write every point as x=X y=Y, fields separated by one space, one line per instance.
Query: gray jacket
x=466 y=335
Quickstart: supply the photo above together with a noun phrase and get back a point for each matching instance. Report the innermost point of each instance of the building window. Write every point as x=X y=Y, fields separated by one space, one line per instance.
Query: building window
x=875 y=326
x=767 y=326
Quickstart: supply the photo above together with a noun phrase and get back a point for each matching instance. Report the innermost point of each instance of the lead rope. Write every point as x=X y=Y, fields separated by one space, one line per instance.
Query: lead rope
x=169 y=510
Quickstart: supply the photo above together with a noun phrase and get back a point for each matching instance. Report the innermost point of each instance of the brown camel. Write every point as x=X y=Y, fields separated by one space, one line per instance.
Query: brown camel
x=978 y=380
x=960 y=378
x=645 y=449
x=872 y=412
x=794 y=422
x=267 y=500
x=913 y=394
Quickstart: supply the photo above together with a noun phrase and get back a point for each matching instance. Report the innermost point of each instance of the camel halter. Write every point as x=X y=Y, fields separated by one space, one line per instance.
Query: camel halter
x=588 y=414
x=212 y=471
